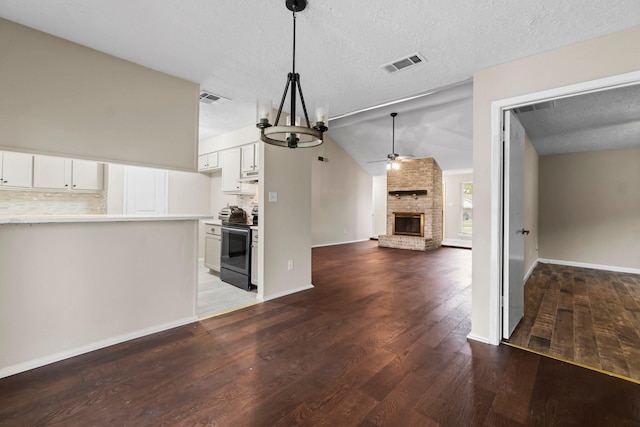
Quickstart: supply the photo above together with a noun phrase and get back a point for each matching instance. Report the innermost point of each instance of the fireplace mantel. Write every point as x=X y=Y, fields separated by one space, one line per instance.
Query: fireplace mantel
x=414 y=193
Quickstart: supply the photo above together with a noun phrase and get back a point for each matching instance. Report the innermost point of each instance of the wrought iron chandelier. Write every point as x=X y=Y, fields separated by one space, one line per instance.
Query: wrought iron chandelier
x=293 y=134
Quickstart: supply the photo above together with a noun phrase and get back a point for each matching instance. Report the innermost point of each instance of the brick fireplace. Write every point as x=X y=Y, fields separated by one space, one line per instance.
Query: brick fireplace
x=414 y=206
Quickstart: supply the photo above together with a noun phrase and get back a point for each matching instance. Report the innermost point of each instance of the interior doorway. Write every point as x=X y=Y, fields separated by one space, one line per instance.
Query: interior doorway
x=497 y=283
x=600 y=282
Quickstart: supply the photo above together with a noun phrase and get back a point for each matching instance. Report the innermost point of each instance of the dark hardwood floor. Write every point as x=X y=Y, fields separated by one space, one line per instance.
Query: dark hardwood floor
x=380 y=340
x=588 y=316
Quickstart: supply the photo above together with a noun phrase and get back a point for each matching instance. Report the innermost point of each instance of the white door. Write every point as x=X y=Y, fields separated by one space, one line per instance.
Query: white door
x=145 y=191
x=513 y=286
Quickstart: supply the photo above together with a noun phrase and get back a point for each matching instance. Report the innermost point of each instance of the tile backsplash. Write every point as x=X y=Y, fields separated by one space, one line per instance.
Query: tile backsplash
x=15 y=202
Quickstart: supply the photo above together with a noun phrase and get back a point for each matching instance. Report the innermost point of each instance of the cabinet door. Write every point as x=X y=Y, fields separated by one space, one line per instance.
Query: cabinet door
x=208 y=161
x=230 y=161
x=213 y=160
x=202 y=162
x=51 y=172
x=87 y=175
x=212 y=252
x=248 y=164
x=17 y=169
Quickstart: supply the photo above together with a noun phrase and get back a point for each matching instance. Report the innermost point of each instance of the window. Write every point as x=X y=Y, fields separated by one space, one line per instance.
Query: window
x=466 y=202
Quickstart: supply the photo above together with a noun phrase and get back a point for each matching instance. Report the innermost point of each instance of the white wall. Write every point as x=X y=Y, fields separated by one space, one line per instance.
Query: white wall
x=341 y=202
x=68 y=288
x=590 y=207
x=218 y=199
x=379 y=196
x=189 y=193
x=453 y=208
x=605 y=56
x=64 y=99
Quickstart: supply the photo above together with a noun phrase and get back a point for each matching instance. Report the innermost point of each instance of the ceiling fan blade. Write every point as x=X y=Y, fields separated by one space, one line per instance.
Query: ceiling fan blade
x=378 y=161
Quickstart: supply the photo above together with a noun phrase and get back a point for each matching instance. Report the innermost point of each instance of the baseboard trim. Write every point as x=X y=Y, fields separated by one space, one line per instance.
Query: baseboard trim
x=284 y=293
x=479 y=338
x=593 y=266
x=46 y=360
x=526 y=276
x=457 y=243
x=340 y=243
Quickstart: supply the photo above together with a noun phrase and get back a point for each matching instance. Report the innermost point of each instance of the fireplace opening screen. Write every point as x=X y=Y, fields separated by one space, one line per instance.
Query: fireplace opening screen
x=408 y=223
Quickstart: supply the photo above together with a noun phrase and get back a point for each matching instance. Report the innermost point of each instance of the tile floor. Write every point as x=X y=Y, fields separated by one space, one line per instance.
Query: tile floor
x=216 y=297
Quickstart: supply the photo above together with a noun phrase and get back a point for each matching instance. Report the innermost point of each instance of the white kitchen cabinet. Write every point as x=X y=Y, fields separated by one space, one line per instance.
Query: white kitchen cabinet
x=87 y=175
x=208 y=161
x=16 y=169
x=254 y=257
x=51 y=172
x=250 y=160
x=60 y=173
x=213 y=241
x=230 y=161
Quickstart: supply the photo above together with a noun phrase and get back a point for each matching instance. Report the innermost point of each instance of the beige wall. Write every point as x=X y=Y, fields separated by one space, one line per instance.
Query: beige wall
x=64 y=99
x=379 y=205
x=590 y=207
x=340 y=197
x=453 y=208
x=531 y=162
x=605 y=56
x=70 y=288
x=285 y=225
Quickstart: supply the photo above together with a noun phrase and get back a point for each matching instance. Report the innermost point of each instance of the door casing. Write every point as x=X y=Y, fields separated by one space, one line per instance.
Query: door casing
x=497 y=113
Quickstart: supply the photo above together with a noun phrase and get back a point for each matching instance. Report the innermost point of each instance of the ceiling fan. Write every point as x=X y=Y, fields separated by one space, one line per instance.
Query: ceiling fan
x=393 y=159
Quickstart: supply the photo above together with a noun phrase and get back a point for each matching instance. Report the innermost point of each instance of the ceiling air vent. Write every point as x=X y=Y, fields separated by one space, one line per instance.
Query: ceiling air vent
x=403 y=63
x=209 y=98
x=536 y=107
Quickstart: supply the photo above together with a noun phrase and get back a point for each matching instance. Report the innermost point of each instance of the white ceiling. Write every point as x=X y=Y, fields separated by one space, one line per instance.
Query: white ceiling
x=242 y=51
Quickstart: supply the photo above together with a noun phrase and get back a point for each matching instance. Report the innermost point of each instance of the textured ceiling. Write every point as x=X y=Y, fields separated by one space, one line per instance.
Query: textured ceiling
x=242 y=51
x=596 y=121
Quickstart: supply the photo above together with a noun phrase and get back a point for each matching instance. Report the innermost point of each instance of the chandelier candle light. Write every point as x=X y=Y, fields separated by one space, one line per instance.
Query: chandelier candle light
x=292 y=135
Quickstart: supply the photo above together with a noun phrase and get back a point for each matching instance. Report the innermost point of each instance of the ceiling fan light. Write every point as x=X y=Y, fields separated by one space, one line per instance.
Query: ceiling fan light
x=395 y=165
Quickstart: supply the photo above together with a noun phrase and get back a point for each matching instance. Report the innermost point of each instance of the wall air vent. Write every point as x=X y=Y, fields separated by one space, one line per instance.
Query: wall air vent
x=207 y=97
x=404 y=63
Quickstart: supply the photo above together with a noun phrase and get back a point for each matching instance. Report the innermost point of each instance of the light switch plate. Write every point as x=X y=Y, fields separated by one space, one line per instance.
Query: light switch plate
x=273 y=196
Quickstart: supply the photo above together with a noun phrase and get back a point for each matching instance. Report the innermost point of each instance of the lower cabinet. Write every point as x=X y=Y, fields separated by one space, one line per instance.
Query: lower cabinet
x=254 y=257
x=213 y=240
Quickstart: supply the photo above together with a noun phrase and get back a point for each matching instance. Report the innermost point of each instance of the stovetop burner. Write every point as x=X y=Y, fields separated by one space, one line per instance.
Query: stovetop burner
x=236 y=224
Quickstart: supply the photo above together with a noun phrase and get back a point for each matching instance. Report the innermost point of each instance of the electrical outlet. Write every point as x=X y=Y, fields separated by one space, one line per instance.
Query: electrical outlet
x=273 y=196
x=290 y=265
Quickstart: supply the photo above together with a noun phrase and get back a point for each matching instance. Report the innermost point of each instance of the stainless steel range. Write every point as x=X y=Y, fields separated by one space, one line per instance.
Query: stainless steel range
x=235 y=254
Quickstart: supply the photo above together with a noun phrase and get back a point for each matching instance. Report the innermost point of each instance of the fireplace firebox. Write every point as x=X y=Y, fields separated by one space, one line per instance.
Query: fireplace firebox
x=408 y=223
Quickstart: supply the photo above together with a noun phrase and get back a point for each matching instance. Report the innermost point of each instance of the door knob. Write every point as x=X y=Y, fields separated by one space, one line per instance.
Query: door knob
x=523 y=231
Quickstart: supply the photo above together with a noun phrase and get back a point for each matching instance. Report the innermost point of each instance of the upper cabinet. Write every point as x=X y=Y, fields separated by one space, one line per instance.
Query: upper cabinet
x=209 y=161
x=51 y=172
x=59 y=173
x=230 y=162
x=16 y=169
x=86 y=175
x=250 y=160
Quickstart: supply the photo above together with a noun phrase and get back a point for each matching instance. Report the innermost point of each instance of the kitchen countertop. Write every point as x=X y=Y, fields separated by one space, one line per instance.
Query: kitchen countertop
x=213 y=221
x=43 y=219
